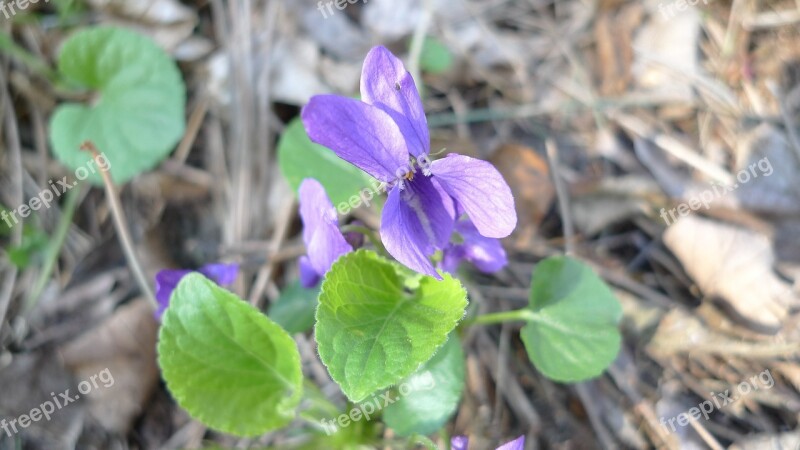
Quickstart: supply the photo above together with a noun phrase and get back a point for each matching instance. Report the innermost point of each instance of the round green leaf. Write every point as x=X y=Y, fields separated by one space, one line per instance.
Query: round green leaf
x=295 y=308
x=425 y=411
x=372 y=330
x=136 y=115
x=435 y=57
x=572 y=332
x=299 y=158
x=225 y=363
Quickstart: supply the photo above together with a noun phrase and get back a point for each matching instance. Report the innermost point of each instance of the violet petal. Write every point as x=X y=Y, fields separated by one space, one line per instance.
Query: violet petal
x=459 y=443
x=516 y=444
x=480 y=190
x=324 y=242
x=166 y=282
x=308 y=276
x=387 y=84
x=487 y=254
x=361 y=134
x=415 y=223
x=222 y=274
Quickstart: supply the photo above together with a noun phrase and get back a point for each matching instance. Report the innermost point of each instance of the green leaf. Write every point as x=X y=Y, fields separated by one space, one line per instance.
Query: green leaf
x=372 y=331
x=435 y=57
x=34 y=242
x=572 y=333
x=295 y=308
x=225 y=363
x=136 y=115
x=424 y=411
x=299 y=158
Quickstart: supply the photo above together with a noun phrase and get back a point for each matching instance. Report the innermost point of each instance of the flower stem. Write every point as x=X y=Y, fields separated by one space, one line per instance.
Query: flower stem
x=523 y=315
x=370 y=234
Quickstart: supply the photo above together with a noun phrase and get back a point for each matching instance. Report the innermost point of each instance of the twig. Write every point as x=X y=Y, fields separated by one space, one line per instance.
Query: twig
x=563 y=199
x=15 y=160
x=121 y=226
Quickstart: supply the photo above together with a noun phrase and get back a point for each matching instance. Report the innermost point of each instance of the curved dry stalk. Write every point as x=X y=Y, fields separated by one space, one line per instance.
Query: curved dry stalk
x=121 y=226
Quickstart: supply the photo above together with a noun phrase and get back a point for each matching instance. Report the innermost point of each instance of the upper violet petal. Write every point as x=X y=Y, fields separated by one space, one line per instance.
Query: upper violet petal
x=516 y=444
x=166 y=282
x=361 y=134
x=387 y=84
x=416 y=222
x=480 y=190
x=222 y=274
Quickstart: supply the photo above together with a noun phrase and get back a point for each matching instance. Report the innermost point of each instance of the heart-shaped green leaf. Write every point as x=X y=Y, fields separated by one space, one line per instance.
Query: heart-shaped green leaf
x=295 y=308
x=299 y=158
x=423 y=411
x=136 y=115
x=372 y=331
x=572 y=332
x=225 y=363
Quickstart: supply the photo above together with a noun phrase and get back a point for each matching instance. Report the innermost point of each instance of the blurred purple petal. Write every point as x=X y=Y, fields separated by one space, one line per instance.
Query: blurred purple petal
x=167 y=280
x=416 y=222
x=459 y=443
x=324 y=242
x=480 y=190
x=386 y=84
x=355 y=238
x=487 y=254
x=361 y=134
x=222 y=274
x=308 y=276
x=516 y=444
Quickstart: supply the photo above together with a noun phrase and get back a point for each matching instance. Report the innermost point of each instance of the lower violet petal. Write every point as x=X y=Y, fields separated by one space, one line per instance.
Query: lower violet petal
x=408 y=233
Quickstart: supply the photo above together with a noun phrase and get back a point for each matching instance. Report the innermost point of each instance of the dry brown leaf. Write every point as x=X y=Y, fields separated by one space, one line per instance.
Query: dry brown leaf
x=125 y=344
x=529 y=178
x=767 y=152
x=27 y=383
x=733 y=265
x=665 y=47
x=611 y=201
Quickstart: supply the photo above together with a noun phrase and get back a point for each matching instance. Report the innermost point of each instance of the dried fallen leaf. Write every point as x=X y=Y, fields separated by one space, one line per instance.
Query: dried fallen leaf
x=529 y=178
x=733 y=265
x=125 y=344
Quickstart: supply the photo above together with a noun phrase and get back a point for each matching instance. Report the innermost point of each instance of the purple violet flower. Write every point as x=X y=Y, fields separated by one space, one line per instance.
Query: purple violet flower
x=324 y=242
x=462 y=443
x=167 y=280
x=487 y=254
x=386 y=134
